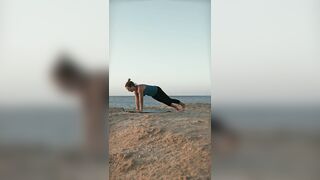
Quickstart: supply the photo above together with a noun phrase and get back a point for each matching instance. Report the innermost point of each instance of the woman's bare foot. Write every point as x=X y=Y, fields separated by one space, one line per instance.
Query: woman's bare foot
x=177 y=106
x=183 y=105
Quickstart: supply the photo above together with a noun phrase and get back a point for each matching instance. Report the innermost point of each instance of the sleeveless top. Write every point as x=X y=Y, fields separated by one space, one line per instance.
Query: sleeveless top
x=150 y=90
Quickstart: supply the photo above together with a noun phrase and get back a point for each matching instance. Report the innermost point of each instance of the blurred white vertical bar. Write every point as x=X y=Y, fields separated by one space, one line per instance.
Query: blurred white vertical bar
x=44 y=126
x=266 y=88
x=107 y=105
x=212 y=89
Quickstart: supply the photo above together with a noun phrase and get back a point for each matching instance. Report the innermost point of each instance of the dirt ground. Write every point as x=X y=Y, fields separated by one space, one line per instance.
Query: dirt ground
x=163 y=145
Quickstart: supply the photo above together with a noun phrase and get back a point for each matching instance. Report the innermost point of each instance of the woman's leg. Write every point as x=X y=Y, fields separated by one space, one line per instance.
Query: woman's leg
x=164 y=98
x=178 y=105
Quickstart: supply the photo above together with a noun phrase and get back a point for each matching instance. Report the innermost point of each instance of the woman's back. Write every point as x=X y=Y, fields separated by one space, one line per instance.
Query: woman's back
x=150 y=90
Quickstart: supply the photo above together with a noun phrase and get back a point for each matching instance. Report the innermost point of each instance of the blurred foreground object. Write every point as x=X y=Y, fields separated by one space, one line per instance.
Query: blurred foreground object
x=91 y=88
x=46 y=142
x=42 y=130
x=273 y=142
x=223 y=139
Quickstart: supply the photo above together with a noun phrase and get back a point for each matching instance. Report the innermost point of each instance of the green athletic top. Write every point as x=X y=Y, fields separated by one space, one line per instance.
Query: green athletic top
x=150 y=90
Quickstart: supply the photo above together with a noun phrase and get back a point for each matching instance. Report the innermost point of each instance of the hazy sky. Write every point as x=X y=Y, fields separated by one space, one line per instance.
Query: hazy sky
x=266 y=51
x=33 y=32
x=262 y=50
x=166 y=43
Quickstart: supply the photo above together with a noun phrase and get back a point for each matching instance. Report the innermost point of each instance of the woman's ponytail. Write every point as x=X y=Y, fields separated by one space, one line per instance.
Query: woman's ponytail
x=129 y=83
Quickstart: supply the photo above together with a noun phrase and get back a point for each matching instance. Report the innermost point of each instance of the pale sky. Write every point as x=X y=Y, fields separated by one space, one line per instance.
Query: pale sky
x=164 y=43
x=262 y=50
x=266 y=51
x=33 y=32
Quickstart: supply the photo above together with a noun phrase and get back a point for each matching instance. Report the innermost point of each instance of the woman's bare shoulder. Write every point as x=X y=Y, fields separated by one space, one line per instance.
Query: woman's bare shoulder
x=140 y=87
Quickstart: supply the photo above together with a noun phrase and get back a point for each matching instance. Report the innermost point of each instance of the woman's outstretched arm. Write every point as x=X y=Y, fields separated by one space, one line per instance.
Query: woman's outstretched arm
x=137 y=101
x=141 y=101
x=140 y=98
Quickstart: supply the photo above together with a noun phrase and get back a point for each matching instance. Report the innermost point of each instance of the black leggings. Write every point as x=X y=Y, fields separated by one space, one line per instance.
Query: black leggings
x=164 y=98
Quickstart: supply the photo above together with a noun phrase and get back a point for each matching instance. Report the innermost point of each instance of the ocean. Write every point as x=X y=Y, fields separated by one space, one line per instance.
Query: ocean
x=57 y=126
x=271 y=118
x=53 y=127
x=129 y=101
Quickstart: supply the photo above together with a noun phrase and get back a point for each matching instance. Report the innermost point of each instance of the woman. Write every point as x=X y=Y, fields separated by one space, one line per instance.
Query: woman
x=155 y=92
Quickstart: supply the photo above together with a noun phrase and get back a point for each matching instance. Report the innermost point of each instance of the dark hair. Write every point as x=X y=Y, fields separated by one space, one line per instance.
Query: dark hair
x=66 y=69
x=129 y=83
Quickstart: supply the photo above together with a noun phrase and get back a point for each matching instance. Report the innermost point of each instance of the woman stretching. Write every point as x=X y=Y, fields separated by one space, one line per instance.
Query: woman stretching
x=155 y=92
